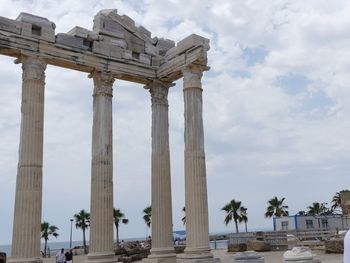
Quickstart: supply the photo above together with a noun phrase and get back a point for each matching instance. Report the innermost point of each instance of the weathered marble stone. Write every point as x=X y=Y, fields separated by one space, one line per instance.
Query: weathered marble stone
x=10 y=25
x=334 y=246
x=164 y=45
x=72 y=41
x=241 y=247
x=300 y=255
x=249 y=257
x=258 y=245
x=115 y=48
x=37 y=27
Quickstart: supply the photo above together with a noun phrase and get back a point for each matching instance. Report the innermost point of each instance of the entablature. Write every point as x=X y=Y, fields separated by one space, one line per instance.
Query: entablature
x=115 y=45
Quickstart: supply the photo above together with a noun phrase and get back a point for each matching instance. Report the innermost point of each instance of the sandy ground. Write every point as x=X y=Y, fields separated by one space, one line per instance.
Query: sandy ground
x=270 y=257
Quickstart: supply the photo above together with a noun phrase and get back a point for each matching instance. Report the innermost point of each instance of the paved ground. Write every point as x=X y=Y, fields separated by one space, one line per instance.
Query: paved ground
x=270 y=257
x=277 y=257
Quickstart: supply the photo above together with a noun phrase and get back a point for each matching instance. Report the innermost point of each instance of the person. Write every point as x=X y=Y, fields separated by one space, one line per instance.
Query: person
x=347 y=247
x=60 y=256
x=69 y=256
x=122 y=244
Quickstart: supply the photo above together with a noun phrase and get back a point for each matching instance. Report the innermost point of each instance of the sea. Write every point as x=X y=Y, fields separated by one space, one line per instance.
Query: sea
x=55 y=246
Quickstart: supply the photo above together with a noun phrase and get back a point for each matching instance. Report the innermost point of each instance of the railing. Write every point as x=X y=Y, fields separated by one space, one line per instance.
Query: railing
x=280 y=240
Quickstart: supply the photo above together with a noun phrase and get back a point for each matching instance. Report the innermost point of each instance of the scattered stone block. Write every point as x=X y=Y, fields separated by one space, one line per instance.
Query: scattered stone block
x=334 y=246
x=300 y=255
x=237 y=247
x=258 y=245
x=249 y=257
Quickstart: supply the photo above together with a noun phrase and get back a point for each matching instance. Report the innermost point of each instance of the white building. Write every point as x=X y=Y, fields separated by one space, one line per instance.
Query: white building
x=303 y=222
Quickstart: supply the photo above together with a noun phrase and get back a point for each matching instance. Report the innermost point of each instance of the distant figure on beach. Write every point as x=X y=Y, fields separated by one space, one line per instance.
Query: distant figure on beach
x=69 y=256
x=122 y=244
x=60 y=256
x=347 y=247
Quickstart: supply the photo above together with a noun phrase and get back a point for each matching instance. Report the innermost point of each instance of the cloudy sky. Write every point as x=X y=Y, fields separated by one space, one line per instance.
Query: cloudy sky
x=276 y=110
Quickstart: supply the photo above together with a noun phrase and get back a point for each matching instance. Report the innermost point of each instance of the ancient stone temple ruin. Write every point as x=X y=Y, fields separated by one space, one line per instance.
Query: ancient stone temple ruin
x=114 y=49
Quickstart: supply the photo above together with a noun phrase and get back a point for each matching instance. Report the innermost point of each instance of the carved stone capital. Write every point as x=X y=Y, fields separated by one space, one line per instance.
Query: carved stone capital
x=192 y=75
x=159 y=92
x=33 y=68
x=103 y=83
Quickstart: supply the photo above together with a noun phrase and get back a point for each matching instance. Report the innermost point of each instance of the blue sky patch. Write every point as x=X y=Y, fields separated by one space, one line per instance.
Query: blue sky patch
x=254 y=56
x=293 y=83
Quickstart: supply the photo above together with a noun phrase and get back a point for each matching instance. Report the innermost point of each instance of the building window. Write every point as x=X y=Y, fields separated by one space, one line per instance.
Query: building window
x=325 y=224
x=284 y=225
x=309 y=224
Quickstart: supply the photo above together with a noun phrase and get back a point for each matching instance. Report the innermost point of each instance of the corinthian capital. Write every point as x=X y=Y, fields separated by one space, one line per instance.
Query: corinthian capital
x=192 y=75
x=33 y=68
x=159 y=91
x=103 y=83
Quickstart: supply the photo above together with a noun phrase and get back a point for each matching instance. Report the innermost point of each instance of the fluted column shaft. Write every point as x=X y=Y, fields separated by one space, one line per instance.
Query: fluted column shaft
x=28 y=201
x=162 y=238
x=197 y=229
x=101 y=226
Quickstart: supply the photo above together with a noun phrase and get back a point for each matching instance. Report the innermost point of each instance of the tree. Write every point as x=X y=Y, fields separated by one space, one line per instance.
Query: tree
x=234 y=212
x=317 y=209
x=337 y=199
x=82 y=220
x=276 y=207
x=184 y=217
x=46 y=231
x=147 y=215
x=118 y=217
x=244 y=217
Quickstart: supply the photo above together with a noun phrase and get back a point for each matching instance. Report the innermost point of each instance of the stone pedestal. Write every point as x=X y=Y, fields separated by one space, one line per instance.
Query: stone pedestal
x=162 y=234
x=196 y=203
x=27 y=216
x=300 y=255
x=249 y=257
x=101 y=226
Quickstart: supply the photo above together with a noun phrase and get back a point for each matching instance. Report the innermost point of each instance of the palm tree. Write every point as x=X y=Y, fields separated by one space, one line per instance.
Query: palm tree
x=318 y=209
x=46 y=231
x=337 y=199
x=276 y=208
x=118 y=217
x=234 y=212
x=244 y=217
x=147 y=217
x=82 y=220
x=184 y=217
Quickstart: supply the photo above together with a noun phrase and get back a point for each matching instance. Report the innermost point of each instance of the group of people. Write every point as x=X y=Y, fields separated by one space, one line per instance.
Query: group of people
x=62 y=257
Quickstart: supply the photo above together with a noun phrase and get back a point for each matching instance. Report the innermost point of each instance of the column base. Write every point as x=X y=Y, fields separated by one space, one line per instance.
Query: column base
x=25 y=260
x=197 y=255
x=103 y=257
x=161 y=255
x=197 y=260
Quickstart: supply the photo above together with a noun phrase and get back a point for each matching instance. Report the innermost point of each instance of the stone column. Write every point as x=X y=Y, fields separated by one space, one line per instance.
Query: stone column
x=162 y=234
x=101 y=226
x=197 y=228
x=27 y=216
